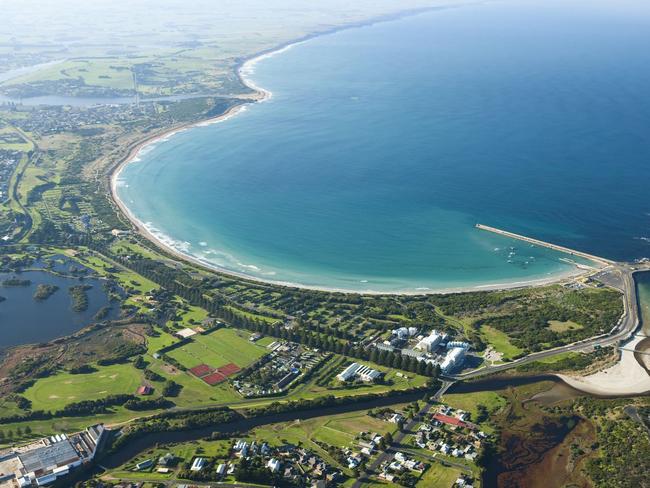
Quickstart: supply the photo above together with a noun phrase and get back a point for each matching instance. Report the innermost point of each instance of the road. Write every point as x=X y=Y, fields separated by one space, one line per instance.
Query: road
x=14 y=193
x=173 y=482
x=619 y=275
x=398 y=438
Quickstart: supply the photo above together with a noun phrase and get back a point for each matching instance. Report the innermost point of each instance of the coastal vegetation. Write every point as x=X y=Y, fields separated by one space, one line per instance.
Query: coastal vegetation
x=44 y=291
x=59 y=215
x=79 y=297
x=16 y=282
x=560 y=439
x=160 y=299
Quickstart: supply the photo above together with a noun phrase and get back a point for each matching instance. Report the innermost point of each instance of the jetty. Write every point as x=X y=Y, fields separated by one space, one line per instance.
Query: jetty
x=537 y=242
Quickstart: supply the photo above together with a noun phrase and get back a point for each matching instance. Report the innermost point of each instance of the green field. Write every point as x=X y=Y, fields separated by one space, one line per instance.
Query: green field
x=337 y=430
x=109 y=72
x=163 y=340
x=12 y=139
x=57 y=391
x=218 y=348
x=469 y=401
x=194 y=392
x=559 y=326
x=500 y=342
x=439 y=475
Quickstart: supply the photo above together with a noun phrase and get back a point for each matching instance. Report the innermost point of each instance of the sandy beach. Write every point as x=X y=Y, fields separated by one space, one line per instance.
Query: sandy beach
x=627 y=377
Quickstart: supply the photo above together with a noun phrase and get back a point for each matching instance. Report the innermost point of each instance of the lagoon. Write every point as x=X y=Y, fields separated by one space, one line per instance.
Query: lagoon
x=24 y=320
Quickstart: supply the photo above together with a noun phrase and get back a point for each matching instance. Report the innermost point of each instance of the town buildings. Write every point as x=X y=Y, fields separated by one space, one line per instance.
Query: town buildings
x=360 y=371
x=42 y=462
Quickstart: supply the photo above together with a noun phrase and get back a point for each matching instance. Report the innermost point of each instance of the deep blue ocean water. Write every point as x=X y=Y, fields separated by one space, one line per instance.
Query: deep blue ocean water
x=382 y=146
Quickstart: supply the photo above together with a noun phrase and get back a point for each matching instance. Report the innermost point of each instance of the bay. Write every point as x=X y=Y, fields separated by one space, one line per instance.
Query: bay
x=382 y=146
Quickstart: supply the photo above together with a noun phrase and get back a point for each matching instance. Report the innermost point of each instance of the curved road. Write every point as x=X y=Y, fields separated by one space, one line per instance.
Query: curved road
x=619 y=276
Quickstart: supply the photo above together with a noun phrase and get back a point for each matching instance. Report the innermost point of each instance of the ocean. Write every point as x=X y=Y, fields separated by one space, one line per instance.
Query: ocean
x=382 y=146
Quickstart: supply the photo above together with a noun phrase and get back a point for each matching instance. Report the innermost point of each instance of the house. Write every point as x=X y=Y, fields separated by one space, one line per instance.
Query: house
x=147 y=463
x=273 y=465
x=452 y=421
x=397 y=418
x=166 y=460
x=144 y=390
x=198 y=464
x=353 y=461
x=221 y=469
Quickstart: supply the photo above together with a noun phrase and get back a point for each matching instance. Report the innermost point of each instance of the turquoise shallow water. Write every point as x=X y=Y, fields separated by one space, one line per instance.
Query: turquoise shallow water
x=643 y=291
x=382 y=146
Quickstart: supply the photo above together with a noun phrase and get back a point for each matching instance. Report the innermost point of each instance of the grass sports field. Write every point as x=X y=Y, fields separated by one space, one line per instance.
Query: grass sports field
x=219 y=348
x=57 y=391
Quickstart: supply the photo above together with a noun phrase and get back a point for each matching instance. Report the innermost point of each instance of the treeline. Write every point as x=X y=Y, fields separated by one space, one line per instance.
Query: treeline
x=624 y=450
x=175 y=420
x=327 y=339
x=575 y=362
x=16 y=282
x=91 y=407
x=331 y=400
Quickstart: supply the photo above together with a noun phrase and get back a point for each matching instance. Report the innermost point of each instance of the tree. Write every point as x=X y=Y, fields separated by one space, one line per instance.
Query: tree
x=482 y=413
x=140 y=363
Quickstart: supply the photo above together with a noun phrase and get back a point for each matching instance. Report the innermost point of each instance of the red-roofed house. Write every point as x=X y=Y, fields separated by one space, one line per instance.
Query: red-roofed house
x=453 y=421
x=144 y=390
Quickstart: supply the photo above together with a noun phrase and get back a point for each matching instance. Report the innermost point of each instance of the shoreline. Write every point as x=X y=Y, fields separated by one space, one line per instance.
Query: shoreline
x=626 y=377
x=260 y=94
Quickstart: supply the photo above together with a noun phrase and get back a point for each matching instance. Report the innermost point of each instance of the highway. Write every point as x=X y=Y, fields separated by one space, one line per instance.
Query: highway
x=618 y=275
